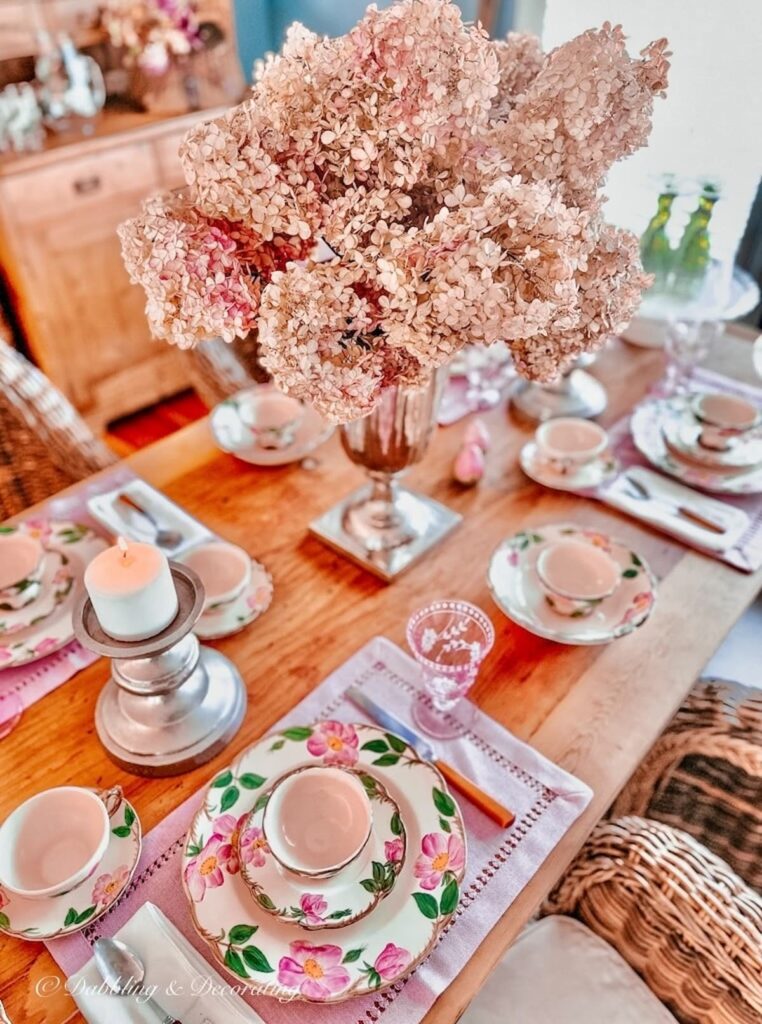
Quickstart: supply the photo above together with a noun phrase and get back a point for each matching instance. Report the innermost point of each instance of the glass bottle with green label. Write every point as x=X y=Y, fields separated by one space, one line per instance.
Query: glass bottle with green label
x=694 y=253
x=656 y=253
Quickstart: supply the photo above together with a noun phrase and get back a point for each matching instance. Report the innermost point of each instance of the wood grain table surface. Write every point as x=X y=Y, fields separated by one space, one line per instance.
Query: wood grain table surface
x=595 y=710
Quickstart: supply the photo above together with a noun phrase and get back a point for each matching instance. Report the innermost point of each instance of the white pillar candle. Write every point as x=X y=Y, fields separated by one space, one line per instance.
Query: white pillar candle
x=132 y=590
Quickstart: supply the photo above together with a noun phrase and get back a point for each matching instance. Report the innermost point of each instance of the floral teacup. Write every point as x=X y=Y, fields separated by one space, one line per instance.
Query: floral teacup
x=272 y=417
x=576 y=576
x=568 y=442
x=54 y=841
x=224 y=569
x=725 y=418
x=21 y=567
x=317 y=820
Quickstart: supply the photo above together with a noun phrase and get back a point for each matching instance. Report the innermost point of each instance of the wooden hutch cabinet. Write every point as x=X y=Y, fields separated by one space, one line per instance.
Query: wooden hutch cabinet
x=83 y=321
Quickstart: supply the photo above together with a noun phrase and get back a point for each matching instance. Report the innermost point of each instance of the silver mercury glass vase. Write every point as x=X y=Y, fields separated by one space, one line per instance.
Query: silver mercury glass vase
x=384 y=526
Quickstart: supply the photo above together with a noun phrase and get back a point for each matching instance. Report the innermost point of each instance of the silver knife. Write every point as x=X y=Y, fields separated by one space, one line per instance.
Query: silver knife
x=423 y=748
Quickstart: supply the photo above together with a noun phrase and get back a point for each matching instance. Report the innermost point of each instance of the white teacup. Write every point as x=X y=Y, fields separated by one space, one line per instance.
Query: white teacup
x=317 y=820
x=575 y=576
x=570 y=442
x=53 y=842
x=21 y=567
x=273 y=418
x=224 y=569
x=726 y=417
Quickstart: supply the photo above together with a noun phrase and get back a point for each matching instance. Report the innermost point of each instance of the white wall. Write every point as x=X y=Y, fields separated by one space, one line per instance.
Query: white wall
x=711 y=121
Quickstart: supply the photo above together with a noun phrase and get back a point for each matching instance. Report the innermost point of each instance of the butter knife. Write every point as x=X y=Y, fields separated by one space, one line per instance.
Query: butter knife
x=423 y=748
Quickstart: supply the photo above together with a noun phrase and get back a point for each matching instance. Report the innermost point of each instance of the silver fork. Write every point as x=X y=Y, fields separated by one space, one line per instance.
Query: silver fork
x=638 y=490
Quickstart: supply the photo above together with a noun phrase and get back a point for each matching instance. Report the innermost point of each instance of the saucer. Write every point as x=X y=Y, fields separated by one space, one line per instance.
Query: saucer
x=368 y=955
x=54 y=916
x=232 y=435
x=330 y=902
x=583 y=478
x=513 y=581
x=78 y=545
x=55 y=585
x=225 y=619
x=648 y=425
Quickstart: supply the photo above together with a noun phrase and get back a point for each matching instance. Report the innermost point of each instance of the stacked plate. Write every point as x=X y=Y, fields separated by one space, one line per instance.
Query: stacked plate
x=711 y=441
x=325 y=939
x=33 y=628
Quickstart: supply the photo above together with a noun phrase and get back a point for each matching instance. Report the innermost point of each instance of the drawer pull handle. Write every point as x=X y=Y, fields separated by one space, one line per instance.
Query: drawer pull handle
x=86 y=186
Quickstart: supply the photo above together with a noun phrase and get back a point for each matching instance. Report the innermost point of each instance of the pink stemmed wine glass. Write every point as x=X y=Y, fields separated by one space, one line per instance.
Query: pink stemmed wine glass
x=449 y=640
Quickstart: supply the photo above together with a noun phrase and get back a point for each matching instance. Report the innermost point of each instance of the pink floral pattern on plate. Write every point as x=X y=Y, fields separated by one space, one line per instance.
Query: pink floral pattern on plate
x=335 y=742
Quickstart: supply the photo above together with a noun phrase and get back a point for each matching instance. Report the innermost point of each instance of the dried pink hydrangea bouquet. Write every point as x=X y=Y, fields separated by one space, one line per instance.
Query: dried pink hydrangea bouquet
x=454 y=181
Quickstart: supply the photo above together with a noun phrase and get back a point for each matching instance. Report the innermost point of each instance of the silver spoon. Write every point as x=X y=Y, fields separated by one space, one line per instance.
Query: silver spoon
x=638 y=490
x=164 y=538
x=123 y=971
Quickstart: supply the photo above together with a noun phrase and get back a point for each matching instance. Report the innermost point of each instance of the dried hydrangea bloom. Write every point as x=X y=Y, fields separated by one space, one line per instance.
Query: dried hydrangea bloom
x=589 y=105
x=197 y=285
x=519 y=58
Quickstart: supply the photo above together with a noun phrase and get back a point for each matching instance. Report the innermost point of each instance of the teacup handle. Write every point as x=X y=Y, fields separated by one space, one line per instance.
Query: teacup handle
x=112 y=798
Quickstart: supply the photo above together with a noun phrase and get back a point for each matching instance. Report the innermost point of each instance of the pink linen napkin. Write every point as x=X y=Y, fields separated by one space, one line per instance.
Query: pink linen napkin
x=23 y=686
x=746 y=554
x=545 y=799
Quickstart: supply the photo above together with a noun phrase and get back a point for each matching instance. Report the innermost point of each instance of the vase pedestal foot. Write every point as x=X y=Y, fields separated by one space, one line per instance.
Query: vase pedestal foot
x=419 y=524
x=576 y=394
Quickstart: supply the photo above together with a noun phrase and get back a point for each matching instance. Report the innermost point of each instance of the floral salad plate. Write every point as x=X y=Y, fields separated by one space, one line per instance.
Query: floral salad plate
x=232 y=435
x=55 y=585
x=515 y=586
x=73 y=547
x=325 y=965
x=331 y=902
x=682 y=433
x=223 y=620
x=582 y=478
x=55 y=916
x=652 y=424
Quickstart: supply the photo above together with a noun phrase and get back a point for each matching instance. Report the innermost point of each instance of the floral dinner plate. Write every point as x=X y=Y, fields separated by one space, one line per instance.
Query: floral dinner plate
x=78 y=545
x=50 y=918
x=331 y=902
x=325 y=965
x=512 y=578
x=648 y=425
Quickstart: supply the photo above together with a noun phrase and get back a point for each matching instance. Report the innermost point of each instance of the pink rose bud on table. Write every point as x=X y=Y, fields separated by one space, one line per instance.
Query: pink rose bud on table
x=478 y=433
x=468 y=468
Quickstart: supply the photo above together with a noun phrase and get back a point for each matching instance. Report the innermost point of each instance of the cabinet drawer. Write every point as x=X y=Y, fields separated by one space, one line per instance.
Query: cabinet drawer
x=72 y=185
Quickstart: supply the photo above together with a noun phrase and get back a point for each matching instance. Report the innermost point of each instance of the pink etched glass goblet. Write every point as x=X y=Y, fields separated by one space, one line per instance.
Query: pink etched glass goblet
x=449 y=640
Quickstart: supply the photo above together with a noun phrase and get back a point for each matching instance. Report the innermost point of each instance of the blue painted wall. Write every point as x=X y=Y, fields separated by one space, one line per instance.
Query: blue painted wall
x=262 y=23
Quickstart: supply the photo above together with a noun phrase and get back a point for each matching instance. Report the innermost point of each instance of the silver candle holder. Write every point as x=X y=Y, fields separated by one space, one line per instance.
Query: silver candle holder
x=171 y=704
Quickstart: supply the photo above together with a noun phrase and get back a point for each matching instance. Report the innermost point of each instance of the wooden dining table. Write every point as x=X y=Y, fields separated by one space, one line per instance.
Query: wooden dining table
x=594 y=710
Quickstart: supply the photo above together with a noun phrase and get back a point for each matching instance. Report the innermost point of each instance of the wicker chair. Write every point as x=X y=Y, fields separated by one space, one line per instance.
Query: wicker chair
x=218 y=370
x=44 y=444
x=704 y=775
x=676 y=913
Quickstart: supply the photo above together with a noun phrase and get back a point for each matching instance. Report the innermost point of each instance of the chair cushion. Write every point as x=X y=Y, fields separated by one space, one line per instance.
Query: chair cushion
x=559 y=972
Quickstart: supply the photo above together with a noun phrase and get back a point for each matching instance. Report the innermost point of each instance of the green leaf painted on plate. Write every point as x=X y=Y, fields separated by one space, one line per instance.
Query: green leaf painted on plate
x=278 y=745
x=337 y=915
x=634 y=559
x=449 y=899
x=192 y=850
x=122 y=831
x=251 y=781
x=235 y=963
x=629 y=574
x=264 y=901
x=7 y=529
x=71 y=917
x=427 y=905
x=378 y=871
x=444 y=824
x=222 y=780
x=386 y=760
x=129 y=815
x=396 y=743
x=256 y=960
x=4 y=922
x=297 y=733
x=369 y=885
x=261 y=801
x=374 y=978
x=370 y=785
x=85 y=915
x=377 y=746
x=229 y=797
x=241 y=933
x=396 y=824
x=353 y=955
x=443 y=802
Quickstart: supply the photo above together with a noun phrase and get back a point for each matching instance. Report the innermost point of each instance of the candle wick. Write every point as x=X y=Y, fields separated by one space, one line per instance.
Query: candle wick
x=123 y=546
